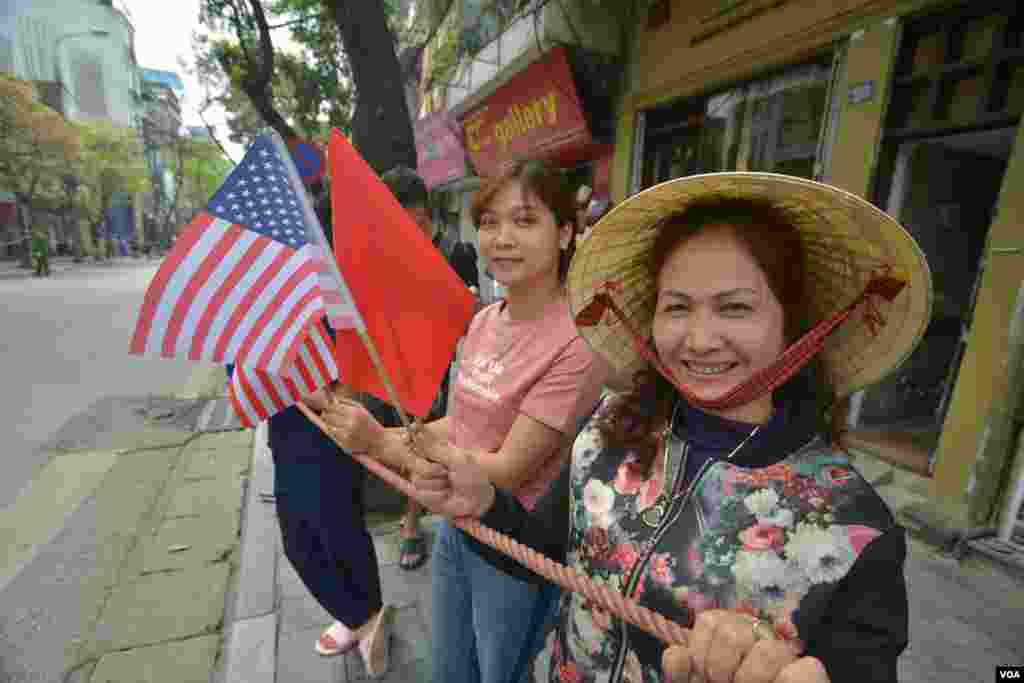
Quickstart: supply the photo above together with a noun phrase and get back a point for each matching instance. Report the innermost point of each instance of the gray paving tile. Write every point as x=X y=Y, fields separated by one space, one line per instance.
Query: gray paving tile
x=288 y=582
x=251 y=650
x=403 y=588
x=300 y=614
x=409 y=646
x=189 y=541
x=257 y=571
x=164 y=607
x=186 y=660
x=297 y=661
x=207 y=497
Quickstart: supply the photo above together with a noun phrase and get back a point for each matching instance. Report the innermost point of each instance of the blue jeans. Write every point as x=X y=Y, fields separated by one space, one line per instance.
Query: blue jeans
x=484 y=622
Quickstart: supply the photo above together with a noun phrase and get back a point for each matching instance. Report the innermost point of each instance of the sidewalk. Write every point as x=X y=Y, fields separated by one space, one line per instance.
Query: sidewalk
x=167 y=523
x=60 y=265
x=966 y=617
x=274 y=621
x=10 y=269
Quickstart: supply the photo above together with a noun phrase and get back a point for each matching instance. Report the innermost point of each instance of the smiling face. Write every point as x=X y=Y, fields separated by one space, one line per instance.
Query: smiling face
x=520 y=238
x=717 y=321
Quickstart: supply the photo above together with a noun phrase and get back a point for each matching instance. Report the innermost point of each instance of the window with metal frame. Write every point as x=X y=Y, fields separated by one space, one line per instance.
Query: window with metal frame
x=959 y=69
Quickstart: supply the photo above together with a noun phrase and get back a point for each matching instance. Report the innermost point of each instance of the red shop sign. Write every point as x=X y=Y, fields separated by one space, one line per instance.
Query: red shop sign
x=439 y=153
x=537 y=114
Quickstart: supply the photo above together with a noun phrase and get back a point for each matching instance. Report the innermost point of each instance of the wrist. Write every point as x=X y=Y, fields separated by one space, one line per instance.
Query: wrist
x=487 y=502
x=375 y=444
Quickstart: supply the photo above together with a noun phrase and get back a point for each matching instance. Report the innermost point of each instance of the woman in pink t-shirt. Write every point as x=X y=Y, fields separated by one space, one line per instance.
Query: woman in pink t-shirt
x=525 y=380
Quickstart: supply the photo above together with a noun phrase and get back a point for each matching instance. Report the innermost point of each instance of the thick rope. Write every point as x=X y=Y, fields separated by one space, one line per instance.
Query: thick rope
x=565 y=577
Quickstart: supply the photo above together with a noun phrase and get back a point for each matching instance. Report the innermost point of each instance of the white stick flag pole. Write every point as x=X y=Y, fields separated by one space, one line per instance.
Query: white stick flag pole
x=346 y=309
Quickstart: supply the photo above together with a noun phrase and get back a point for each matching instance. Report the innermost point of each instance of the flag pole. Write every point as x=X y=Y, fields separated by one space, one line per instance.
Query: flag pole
x=314 y=224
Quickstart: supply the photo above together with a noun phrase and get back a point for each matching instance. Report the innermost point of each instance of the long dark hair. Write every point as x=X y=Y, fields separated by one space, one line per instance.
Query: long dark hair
x=770 y=234
x=549 y=184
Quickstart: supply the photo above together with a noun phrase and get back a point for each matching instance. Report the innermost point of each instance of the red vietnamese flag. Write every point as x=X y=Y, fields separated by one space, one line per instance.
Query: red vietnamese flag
x=414 y=305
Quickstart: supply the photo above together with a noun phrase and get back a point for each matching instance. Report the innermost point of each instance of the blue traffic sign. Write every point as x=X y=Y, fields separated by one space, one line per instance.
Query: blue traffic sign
x=309 y=160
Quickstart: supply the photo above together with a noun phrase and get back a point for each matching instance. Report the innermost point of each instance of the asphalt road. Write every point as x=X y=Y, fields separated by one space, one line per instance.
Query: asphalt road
x=65 y=375
x=64 y=346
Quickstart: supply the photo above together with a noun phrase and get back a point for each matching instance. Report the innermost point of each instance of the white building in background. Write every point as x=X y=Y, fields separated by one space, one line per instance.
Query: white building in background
x=80 y=54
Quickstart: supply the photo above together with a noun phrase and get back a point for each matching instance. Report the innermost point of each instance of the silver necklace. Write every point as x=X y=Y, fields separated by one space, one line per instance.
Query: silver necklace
x=652 y=515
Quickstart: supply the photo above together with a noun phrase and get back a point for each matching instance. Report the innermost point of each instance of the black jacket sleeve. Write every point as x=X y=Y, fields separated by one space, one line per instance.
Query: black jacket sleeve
x=545 y=528
x=862 y=628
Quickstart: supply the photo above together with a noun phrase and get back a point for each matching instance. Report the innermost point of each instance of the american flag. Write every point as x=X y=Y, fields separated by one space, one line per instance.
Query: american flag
x=244 y=285
x=256 y=395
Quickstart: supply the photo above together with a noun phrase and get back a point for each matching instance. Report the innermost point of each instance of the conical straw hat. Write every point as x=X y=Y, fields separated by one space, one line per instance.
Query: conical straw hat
x=847 y=242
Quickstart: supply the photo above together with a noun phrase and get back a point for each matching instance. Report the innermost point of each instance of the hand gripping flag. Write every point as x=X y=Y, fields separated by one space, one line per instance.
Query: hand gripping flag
x=242 y=285
x=413 y=305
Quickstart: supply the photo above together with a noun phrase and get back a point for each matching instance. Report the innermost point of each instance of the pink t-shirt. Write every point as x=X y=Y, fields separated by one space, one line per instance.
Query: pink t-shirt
x=541 y=368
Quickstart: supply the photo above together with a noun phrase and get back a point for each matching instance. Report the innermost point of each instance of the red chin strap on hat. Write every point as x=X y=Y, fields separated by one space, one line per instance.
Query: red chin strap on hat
x=884 y=285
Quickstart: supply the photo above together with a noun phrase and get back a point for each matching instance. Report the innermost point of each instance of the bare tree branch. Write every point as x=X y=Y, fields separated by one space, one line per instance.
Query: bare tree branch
x=213 y=136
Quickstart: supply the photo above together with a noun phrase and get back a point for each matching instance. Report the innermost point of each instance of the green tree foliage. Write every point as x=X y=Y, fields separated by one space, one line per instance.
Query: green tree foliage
x=202 y=169
x=297 y=94
x=111 y=164
x=36 y=147
x=356 y=61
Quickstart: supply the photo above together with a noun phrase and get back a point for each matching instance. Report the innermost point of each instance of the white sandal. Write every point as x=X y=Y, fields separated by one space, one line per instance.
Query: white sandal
x=336 y=640
x=376 y=647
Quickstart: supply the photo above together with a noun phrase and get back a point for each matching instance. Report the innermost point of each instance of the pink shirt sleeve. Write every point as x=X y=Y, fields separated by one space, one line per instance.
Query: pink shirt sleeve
x=569 y=389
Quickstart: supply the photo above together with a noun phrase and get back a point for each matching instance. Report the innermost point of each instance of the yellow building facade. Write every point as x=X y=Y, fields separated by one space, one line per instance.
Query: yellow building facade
x=913 y=105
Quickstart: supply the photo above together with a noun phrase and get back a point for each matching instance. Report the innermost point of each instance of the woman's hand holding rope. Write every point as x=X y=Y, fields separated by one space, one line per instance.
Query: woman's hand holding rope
x=723 y=645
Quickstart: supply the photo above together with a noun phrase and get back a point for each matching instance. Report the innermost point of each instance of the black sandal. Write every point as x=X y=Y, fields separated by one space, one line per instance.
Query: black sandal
x=413 y=553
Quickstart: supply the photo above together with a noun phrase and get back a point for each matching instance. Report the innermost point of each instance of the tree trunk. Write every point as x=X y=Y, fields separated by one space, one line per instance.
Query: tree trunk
x=381 y=128
x=25 y=221
x=168 y=214
x=257 y=84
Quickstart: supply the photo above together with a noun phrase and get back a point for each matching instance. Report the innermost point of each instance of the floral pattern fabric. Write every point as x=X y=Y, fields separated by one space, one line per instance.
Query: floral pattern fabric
x=772 y=541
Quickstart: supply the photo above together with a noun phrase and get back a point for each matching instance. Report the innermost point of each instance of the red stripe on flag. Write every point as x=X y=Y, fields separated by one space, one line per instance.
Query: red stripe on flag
x=196 y=282
x=272 y=309
x=325 y=349
x=318 y=360
x=307 y=376
x=293 y=388
x=223 y=292
x=243 y=416
x=243 y=380
x=293 y=348
x=268 y=385
x=247 y=302
x=155 y=292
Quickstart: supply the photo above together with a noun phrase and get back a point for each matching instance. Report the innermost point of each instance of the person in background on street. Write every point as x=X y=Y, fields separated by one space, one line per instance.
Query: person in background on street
x=715 y=492
x=526 y=378
x=318 y=492
x=41 y=252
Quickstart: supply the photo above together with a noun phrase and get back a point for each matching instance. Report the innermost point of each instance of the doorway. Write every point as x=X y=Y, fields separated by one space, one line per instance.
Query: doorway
x=944 y=191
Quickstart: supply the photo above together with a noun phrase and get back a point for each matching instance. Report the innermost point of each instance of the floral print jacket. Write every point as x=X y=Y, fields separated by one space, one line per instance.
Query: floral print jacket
x=804 y=543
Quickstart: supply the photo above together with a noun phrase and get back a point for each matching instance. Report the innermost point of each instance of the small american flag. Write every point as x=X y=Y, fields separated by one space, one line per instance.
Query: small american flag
x=256 y=395
x=244 y=284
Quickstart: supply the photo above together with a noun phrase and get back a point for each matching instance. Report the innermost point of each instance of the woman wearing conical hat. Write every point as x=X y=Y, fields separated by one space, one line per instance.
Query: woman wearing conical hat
x=715 y=491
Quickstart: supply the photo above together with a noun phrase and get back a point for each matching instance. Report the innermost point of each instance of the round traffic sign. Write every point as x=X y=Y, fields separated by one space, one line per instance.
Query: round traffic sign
x=309 y=160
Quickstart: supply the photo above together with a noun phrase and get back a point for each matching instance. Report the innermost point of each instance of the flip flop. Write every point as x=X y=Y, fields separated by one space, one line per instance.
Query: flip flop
x=329 y=642
x=375 y=649
x=413 y=547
